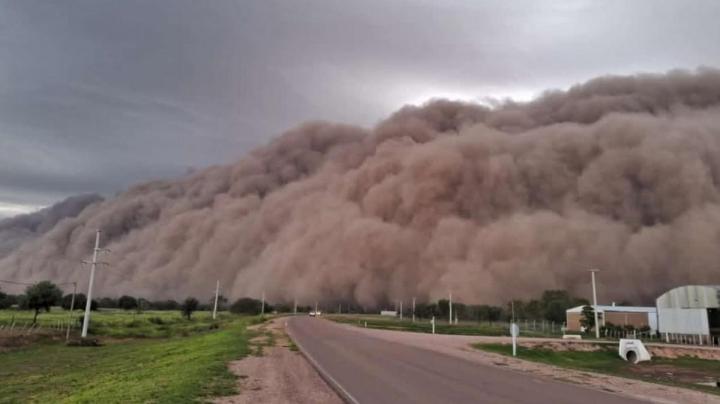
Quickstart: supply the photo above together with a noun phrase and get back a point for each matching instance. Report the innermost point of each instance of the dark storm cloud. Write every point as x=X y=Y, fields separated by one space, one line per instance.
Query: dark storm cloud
x=620 y=173
x=96 y=95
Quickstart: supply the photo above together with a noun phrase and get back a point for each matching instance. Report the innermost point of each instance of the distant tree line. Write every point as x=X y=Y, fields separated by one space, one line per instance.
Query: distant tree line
x=551 y=305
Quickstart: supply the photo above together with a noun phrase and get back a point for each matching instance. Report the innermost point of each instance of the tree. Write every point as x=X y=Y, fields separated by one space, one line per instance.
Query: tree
x=426 y=310
x=556 y=302
x=142 y=304
x=165 y=305
x=108 y=303
x=80 y=301
x=534 y=309
x=556 y=311
x=246 y=305
x=588 y=318
x=442 y=308
x=4 y=300
x=42 y=296
x=127 y=302
x=525 y=310
x=189 y=306
x=22 y=302
x=221 y=302
x=484 y=312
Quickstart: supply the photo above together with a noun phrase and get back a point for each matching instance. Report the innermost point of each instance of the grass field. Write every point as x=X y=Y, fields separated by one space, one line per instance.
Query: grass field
x=119 y=323
x=683 y=372
x=183 y=362
x=441 y=326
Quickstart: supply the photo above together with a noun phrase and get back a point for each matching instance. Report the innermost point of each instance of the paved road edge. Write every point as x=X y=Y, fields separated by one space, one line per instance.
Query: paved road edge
x=340 y=390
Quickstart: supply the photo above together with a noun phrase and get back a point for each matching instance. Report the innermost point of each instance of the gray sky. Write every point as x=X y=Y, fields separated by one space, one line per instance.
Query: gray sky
x=97 y=95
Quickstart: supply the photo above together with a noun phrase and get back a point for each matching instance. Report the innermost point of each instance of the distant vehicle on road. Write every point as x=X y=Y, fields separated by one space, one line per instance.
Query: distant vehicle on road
x=315 y=313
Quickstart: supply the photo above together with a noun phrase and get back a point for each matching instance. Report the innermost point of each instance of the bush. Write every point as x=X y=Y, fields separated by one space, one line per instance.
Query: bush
x=156 y=320
x=5 y=300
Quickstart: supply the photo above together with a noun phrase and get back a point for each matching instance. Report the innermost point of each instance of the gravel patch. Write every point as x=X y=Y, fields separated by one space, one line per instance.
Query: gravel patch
x=276 y=373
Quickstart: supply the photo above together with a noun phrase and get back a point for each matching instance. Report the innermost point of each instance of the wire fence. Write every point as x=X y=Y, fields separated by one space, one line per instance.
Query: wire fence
x=21 y=327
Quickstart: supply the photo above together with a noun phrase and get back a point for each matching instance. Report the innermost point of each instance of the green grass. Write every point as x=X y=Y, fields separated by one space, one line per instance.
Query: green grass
x=607 y=361
x=441 y=326
x=174 y=370
x=121 y=323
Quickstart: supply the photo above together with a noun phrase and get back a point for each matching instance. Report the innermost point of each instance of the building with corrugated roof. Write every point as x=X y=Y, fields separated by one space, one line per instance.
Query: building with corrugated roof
x=691 y=310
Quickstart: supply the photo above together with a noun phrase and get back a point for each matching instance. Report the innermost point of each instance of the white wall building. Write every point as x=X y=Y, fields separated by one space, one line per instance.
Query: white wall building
x=691 y=310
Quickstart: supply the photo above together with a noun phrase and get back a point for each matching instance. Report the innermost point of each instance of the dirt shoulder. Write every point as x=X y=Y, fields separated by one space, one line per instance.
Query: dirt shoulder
x=459 y=346
x=276 y=372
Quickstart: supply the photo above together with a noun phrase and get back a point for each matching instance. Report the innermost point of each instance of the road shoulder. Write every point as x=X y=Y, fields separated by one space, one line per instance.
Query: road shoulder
x=276 y=372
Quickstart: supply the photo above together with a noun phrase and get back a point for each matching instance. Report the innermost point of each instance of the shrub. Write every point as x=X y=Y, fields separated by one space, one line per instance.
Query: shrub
x=156 y=320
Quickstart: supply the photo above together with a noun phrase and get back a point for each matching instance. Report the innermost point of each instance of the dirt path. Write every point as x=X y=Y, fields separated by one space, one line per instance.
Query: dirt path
x=276 y=373
x=459 y=346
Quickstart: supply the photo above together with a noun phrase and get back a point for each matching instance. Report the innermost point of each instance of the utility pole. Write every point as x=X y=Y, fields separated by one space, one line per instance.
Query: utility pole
x=450 y=305
x=86 y=320
x=217 y=292
x=401 y=310
x=72 y=307
x=595 y=307
x=413 y=310
x=295 y=307
x=262 y=308
x=316 y=307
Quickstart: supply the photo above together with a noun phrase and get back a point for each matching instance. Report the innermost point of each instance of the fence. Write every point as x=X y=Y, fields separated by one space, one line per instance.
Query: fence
x=14 y=327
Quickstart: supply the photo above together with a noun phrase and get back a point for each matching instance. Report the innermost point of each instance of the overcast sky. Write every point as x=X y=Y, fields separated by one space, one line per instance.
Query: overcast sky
x=98 y=95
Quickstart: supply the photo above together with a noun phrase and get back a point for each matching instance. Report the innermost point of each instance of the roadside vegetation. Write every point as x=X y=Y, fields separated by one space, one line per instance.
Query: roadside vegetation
x=116 y=323
x=161 y=370
x=543 y=317
x=490 y=328
x=682 y=372
x=140 y=351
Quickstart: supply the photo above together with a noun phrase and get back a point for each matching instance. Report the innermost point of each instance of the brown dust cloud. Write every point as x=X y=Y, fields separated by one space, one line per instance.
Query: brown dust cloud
x=491 y=203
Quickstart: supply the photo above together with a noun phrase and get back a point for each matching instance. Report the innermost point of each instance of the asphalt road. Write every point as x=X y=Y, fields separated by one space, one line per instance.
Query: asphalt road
x=371 y=370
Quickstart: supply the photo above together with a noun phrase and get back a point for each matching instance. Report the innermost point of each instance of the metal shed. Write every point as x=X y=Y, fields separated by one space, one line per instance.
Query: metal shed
x=690 y=310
